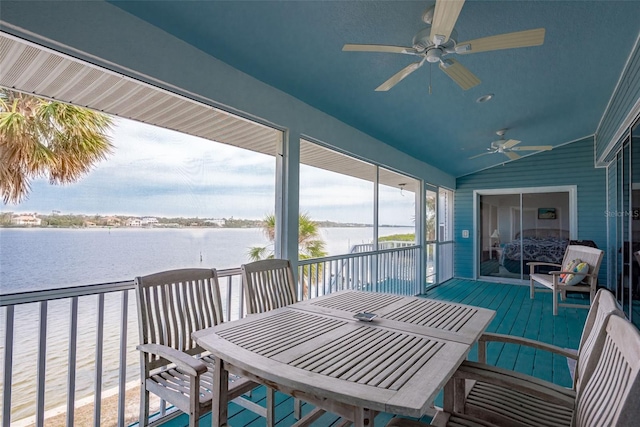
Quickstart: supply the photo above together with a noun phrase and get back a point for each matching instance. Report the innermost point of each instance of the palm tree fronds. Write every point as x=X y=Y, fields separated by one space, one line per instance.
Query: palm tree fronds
x=257 y=253
x=40 y=137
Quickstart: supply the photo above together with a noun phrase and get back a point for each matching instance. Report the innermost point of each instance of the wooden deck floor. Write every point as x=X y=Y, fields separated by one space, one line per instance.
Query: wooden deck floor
x=516 y=314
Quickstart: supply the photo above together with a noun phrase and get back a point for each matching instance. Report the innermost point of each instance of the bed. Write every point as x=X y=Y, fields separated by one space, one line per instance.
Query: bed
x=542 y=245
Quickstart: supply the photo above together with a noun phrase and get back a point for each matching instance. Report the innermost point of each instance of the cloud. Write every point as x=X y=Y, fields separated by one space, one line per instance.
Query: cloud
x=159 y=172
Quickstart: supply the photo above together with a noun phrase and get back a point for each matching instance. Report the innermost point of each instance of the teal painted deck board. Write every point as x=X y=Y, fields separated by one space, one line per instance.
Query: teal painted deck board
x=516 y=314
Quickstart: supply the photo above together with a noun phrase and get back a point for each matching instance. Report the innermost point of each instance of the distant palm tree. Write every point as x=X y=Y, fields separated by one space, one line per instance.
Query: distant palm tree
x=39 y=137
x=310 y=245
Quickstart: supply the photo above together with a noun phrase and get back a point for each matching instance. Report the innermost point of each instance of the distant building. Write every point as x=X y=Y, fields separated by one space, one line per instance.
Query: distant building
x=149 y=221
x=216 y=222
x=133 y=222
x=89 y=224
x=26 y=219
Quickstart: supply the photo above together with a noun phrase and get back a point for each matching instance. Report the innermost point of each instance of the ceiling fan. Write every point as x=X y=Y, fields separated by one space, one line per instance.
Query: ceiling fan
x=508 y=147
x=439 y=40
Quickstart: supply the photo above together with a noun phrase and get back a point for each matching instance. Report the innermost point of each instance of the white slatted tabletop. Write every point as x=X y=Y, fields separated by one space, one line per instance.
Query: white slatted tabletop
x=317 y=351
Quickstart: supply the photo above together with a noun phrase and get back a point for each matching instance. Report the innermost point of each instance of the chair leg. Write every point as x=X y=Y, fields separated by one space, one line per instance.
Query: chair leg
x=144 y=406
x=297 y=409
x=194 y=420
x=554 y=294
x=194 y=402
x=532 y=292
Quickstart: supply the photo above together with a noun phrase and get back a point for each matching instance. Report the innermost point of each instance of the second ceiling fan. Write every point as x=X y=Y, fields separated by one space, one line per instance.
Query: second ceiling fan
x=435 y=43
x=508 y=147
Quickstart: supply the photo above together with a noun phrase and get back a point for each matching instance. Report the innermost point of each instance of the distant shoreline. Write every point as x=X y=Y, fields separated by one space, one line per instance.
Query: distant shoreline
x=59 y=220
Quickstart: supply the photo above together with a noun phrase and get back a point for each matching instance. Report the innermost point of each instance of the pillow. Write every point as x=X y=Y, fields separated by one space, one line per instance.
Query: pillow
x=569 y=267
x=574 y=279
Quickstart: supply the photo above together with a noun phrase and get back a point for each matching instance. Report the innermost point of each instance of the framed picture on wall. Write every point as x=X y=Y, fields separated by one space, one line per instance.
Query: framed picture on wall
x=546 y=213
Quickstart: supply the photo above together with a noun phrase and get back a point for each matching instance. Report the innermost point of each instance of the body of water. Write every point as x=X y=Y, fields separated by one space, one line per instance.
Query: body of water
x=32 y=259
x=36 y=258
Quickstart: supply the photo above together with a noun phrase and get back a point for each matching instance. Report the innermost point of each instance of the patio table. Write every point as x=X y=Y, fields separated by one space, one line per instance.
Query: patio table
x=317 y=351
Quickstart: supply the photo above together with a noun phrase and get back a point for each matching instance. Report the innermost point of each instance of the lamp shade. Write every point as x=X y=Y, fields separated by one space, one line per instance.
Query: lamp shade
x=495 y=234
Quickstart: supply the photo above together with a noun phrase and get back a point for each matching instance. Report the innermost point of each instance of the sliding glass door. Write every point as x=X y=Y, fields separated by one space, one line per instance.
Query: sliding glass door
x=517 y=226
x=624 y=224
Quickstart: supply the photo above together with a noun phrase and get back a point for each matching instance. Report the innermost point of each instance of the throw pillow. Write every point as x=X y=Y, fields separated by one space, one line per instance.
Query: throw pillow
x=576 y=278
x=571 y=265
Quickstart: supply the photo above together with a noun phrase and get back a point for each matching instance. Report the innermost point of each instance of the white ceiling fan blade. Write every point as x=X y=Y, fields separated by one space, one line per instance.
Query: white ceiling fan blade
x=397 y=77
x=511 y=155
x=503 y=41
x=459 y=73
x=510 y=143
x=378 y=48
x=480 y=155
x=445 y=16
x=533 y=148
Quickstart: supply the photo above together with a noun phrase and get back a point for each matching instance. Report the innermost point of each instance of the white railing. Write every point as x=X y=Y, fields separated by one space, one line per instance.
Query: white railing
x=80 y=341
x=390 y=270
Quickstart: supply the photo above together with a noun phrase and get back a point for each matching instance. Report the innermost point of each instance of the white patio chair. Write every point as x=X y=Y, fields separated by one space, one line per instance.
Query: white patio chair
x=606 y=393
x=551 y=281
x=268 y=284
x=171 y=305
x=603 y=304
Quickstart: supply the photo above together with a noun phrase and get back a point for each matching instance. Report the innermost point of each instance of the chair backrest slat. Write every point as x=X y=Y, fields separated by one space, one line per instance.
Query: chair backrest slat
x=608 y=394
x=268 y=284
x=173 y=304
x=603 y=305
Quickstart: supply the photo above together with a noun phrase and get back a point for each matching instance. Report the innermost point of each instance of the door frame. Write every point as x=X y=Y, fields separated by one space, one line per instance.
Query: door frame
x=573 y=216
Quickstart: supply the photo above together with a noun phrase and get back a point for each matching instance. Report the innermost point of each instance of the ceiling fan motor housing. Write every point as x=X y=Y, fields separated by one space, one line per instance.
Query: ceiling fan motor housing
x=434 y=55
x=421 y=41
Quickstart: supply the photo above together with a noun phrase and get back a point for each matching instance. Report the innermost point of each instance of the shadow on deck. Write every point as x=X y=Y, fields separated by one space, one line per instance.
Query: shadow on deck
x=516 y=314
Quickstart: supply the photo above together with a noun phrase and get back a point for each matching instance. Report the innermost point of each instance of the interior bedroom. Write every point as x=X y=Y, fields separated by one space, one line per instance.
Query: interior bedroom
x=518 y=227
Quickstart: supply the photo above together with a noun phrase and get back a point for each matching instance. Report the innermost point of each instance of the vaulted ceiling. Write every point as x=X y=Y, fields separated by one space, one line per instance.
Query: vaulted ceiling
x=550 y=94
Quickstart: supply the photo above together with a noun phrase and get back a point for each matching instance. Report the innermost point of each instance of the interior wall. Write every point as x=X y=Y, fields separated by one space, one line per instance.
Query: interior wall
x=554 y=200
x=571 y=164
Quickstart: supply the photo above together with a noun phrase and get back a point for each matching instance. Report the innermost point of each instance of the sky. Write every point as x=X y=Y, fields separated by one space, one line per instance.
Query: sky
x=163 y=173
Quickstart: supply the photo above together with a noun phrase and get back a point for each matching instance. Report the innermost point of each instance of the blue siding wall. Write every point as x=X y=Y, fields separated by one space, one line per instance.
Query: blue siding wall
x=623 y=100
x=572 y=164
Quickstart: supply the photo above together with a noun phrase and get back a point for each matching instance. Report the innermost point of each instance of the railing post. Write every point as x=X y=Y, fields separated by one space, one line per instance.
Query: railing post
x=42 y=364
x=97 y=397
x=122 y=375
x=8 y=365
x=71 y=363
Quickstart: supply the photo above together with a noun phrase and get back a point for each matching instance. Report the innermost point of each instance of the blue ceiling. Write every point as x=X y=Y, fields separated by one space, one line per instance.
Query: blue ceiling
x=545 y=95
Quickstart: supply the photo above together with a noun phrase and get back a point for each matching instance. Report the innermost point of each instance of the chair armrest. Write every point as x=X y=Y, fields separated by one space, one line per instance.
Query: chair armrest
x=189 y=364
x=532 y=265
x=556 y=273
x=516 y=381
x=491 y=337
x=537 y=263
